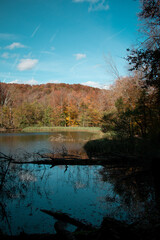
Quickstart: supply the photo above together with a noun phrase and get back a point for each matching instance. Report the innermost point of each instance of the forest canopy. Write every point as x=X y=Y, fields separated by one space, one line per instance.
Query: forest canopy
x=24 y=105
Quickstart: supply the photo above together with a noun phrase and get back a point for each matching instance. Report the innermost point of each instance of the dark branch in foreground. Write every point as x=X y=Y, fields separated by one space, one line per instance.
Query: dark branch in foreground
x=66 y=218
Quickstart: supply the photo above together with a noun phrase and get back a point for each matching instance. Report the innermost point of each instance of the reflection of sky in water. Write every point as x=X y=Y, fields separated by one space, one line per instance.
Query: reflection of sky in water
x=76 y=192
x=79 y=192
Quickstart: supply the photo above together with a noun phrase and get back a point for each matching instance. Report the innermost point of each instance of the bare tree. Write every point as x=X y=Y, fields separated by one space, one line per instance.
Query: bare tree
x=6 y=101
x=111 y=66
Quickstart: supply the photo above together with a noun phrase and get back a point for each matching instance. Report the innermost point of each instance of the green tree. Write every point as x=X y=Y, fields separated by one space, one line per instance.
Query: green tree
x=108 y=122
x=29 y=114
x=146 y=58
x=47 y=118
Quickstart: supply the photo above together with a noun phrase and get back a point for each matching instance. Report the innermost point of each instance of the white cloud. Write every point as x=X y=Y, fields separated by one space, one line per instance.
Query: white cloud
x=32 y=82
x=54 y=81
x=99 y=6
x=79 y=56
x=95 y=5
x=96 y=85
x=5 y=55
x=27 y=64
x=15 y=45
x=106 y=87
x=14 y=81
x=92 y=84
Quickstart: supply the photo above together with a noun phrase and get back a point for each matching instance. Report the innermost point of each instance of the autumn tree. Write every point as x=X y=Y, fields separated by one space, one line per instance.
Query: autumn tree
x=146 y=59
x=47 y=117
x=51 y=105
x=134 y=111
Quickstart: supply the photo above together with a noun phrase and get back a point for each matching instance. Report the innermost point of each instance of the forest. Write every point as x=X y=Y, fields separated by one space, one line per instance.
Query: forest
x=51 y=105
x=130 y=107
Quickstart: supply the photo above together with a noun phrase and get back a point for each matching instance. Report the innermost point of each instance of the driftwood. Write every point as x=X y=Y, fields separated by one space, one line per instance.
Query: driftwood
x=62 y=161
x=120 y=161
x=67 y=219
x=47 y=159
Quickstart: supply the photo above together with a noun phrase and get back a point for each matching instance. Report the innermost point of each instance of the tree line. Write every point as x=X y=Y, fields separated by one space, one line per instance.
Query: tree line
x=51 y=105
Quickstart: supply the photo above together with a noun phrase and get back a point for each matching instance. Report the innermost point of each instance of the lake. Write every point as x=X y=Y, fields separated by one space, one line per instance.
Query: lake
x=87 y=193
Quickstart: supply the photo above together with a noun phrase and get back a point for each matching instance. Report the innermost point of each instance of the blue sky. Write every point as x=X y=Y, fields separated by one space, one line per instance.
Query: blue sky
x=65 y=41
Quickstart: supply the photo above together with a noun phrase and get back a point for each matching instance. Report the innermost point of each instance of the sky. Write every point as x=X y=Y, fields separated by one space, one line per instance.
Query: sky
x=65 y=41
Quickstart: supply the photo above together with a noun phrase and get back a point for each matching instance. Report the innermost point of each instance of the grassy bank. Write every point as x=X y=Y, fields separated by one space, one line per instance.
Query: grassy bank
x=61 y=129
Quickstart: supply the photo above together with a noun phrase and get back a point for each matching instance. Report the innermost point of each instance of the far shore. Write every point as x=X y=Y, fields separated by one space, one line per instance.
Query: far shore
x=52 y=129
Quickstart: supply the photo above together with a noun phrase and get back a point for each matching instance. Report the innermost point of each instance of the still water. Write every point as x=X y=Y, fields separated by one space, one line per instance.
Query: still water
x=84 y=192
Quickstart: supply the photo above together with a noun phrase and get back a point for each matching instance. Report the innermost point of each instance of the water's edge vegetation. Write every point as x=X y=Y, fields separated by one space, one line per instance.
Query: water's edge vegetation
x=59 y=129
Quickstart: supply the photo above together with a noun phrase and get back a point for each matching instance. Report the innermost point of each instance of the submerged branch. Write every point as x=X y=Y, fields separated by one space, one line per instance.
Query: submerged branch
x=67 y=219
x=4 y=171
x=119 y=160
x=6 y=157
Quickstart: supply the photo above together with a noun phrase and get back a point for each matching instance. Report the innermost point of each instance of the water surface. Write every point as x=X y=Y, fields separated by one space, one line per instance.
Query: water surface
x=84 y=192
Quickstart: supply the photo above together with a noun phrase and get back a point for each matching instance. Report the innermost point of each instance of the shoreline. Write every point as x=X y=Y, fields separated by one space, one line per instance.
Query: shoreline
x=52 y=129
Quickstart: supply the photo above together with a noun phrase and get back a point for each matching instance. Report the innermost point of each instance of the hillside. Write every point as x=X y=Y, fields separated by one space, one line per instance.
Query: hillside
x=49 y=104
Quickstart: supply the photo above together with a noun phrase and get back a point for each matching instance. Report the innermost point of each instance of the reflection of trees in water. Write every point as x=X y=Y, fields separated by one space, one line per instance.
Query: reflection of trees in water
x=127 y=189
x=22 y=182
x=15 y=182
x=134 y=187
x=81 y=177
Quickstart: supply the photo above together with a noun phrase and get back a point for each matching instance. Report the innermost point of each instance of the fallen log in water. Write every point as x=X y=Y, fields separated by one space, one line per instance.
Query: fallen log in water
x=62 y=161
x=67 y=219
x=120 y=161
